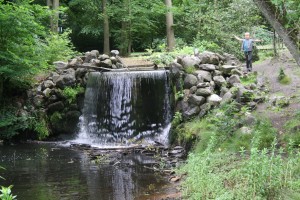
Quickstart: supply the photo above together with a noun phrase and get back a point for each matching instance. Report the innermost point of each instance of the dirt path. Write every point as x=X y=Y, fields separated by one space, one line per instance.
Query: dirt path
x=270 y=69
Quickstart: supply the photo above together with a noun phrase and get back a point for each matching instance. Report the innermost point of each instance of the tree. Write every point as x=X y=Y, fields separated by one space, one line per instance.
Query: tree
x=170 y=24
x=106 y=45
x=54 y=5
x=279 y=22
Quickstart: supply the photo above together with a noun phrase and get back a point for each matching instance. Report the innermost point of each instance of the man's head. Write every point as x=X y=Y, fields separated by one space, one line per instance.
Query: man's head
x=247 y=35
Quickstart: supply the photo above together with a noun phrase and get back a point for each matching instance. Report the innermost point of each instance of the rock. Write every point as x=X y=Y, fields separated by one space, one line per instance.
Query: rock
x=60 y=65
x=209 y=58
x=66 y=79
x=226 y=69
x=114 y=53
x=103 y=57
x=230 y=59
x=192 y=111
x=205 y=75
x=223 y=91
x=54 y=76
x=204 y=92
x=193 y=89
x=280 y=101
x=119 y=65
x=113 y=60
x=89 y=56
x=47 y=84
x=80 y=72
x=243 y=95
x=57 y=106
x=233 y=79
x=245 y=130
x=207 y=67
x=52 y=98
x=249 y=119
x=190 y=81
x=174 y=179
x=72 y=119
x=214 y=100
x=236 y=72
x=176 y=69
x=227 y=97
x=189 y=61
x=219 y=80
x=47 y=92
x=203 y=85
x=106 y=63
x=261 y=82
x=75 y=62
x=196 y=100
x=95 y=52
x=204 y=109
x=38 y=100
x=217 y=73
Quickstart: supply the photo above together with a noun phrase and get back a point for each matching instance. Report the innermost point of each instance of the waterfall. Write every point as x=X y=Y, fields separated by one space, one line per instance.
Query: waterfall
x=123 y=108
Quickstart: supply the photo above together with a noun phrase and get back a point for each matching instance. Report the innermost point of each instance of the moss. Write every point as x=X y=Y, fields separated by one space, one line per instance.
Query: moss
x=190 y=69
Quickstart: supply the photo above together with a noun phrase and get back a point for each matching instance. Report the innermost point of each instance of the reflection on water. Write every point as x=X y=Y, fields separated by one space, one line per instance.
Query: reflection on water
x=43 y=171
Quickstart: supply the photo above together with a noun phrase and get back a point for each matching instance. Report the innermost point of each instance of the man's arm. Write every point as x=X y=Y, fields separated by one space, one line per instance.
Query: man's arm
x=236 y=37
x=257 y=40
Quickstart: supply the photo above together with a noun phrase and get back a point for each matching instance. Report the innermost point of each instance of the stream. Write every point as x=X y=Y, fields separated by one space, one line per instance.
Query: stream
x=55 y=172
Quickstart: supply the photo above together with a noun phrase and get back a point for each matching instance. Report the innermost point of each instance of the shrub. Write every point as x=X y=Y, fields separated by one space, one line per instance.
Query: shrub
x=6 y=193
x=71 y=93
x=283 y=78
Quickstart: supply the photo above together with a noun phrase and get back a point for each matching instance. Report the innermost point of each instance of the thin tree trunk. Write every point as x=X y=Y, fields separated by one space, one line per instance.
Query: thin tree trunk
x=126 y=32
x=54 y=5
x=170 y=24
x=1 y=88
x=274 y=44
x=106 y=46
x=289 y=41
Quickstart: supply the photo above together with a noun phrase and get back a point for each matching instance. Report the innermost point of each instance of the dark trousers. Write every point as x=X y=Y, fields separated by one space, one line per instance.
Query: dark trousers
x=248 y=56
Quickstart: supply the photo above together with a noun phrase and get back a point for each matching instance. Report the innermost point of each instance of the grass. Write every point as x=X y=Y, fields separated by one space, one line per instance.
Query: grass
x=190 y=69
x=250 y=79
x=285 y=80
x=229 y=164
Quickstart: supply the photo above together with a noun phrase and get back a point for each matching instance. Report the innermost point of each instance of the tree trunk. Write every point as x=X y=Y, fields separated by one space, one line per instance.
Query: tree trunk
x=125 y=44
x=1 y=88
x=106 y=46
x=170 y=29
x=54 y=5
x=290 y=42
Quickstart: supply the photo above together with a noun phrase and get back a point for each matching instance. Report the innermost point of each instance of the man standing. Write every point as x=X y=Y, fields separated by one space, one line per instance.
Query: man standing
x=247 y=47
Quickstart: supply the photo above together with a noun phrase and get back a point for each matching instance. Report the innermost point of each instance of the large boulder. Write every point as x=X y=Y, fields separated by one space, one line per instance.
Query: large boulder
x=204 y=109
x=80 y=72
x=90 y=55
x=72 y=119
x=114 y=53
x=192 y=111
x=54 y=107
x=190 y=80
x=176 y=69
x=209 y=58
x=95 y=52
x=103 y=57
x=233 y=79
x=204 y=92
x=219 y=80
x=207 y=67
x=47 y=84
x=214 y=100
x=60 y=64
x=106 y=63
x=66 y=79
x=190 y=61
x=227 y=97
x=205 y=75
x=38 y=100
x=226 y=69
x=196 y=100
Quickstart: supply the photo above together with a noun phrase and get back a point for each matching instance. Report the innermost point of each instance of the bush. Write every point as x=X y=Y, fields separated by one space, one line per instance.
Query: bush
x=71 y=93
x=283 y=78
x=5 y=193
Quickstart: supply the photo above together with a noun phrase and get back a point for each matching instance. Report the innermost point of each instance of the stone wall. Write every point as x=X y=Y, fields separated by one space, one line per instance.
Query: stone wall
x=47 y=96
x=209 y=79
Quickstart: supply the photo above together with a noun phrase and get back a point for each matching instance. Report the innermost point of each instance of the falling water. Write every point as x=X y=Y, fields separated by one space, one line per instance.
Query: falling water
x=123 y=108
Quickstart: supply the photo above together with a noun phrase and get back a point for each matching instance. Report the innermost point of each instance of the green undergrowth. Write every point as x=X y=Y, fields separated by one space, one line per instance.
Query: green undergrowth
x=70 y=93
x=231 y=125
x=250 y=79
x=236 y=156
x=292 y=130
x=283 y=78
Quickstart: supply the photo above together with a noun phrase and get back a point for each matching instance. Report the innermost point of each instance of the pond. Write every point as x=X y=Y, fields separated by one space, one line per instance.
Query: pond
x=51 y=171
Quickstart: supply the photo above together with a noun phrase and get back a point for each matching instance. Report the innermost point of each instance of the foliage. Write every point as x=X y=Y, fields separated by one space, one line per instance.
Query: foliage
x=225 y=123
x=5 y=193
x=283 y=78
x=13 y=122
x=55 y=117
x=71 y=93
x=249 y=79
x=261 y=174
x=26 y=48
x=177 y=119
x=190 y=69
x=292 y=130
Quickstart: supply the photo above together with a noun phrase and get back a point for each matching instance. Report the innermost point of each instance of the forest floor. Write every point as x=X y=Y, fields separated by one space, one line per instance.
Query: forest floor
x=270 y=68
